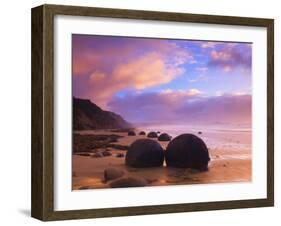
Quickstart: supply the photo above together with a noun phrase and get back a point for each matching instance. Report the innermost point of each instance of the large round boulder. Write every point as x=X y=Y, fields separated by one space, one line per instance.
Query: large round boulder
x=145 y=153
x=142 y=133
x=131 y=133
x=152 y=135
x=187 y=151
x=164 y=137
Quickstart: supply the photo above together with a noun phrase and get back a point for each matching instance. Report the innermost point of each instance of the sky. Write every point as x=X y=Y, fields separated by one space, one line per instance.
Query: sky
x=148 y=80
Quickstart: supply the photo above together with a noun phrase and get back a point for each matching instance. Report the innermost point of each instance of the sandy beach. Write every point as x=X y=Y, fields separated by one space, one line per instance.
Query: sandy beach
x=230 y=162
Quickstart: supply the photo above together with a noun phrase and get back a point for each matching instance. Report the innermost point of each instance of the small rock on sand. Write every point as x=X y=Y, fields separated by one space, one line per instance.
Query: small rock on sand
x=120 y=155
x=125 y=182
x=152 y=135
x=112 y=173
x=131 y=133
x=84 y=187
x=97 y=155
x=150 y=181
x=83 y=154
x=106 y=153
x=164 y=137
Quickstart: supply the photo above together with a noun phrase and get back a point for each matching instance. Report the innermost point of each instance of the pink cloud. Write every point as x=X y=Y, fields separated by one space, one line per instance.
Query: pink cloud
x=144 y=72
x=110 y=65
x=232 y=56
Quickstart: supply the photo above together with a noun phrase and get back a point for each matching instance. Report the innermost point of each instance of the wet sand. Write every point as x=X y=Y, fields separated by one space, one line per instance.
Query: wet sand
x=227 y=165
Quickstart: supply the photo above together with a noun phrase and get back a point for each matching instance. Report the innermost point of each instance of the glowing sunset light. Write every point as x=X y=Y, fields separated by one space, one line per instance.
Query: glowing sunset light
x=206 y=81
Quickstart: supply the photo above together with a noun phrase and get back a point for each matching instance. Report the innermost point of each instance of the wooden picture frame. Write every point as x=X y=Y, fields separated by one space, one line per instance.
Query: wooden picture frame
x=43 y=111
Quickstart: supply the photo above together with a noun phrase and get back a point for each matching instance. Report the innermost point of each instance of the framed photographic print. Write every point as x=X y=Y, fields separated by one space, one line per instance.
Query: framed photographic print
x=141 y=112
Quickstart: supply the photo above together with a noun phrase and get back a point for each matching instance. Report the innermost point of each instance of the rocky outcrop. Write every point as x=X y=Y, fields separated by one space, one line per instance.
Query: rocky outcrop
x=87 y=115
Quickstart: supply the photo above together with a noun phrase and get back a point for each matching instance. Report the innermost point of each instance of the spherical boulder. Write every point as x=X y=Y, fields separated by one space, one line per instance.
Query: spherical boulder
x=152 y=135
x=145 y=153
x=187 y=151
x=142 y=133
x=125 y=182
x=164 y=137
x=131 y=133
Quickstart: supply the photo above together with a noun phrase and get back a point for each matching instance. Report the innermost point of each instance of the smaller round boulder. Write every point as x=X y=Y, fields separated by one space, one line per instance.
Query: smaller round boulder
x=164 y=137
x=145 y=153
x=187 y=151
x=126 y=182
x=142 y=133
x=131 y=133
x=112 y=174
x=199 y=132
x=152 y=135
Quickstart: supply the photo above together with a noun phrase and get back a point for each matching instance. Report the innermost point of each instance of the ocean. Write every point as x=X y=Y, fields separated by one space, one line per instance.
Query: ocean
x=235 y=140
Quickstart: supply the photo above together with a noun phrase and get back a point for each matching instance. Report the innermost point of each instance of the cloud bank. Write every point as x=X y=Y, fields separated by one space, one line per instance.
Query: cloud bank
x=183 y=107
